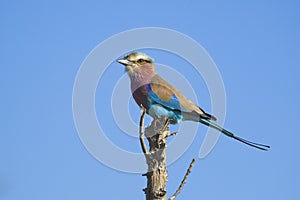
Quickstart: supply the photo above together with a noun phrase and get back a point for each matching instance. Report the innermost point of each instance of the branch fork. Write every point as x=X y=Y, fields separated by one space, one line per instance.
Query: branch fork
x=157 y=175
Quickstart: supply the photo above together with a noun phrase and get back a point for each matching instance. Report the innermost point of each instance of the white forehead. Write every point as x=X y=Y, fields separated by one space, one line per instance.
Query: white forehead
x=142 y=56
x=139 y=55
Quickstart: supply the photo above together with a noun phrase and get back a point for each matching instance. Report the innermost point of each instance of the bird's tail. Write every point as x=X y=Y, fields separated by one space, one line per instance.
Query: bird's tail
x=229 y=134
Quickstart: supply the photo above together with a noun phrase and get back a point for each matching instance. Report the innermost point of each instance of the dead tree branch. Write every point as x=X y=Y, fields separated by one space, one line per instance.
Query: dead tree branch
x=157 y=174
x=183 y=180
x=142 y=141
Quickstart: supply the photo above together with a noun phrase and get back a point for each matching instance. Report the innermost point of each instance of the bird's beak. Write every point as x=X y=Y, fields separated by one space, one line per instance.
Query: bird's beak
x=124 y=62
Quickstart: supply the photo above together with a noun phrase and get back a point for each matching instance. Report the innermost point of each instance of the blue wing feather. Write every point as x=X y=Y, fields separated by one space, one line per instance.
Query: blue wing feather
x=158 y=107
x=172 y=104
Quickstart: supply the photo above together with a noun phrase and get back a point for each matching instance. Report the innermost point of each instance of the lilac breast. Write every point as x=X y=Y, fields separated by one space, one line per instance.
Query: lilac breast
x=140 y=96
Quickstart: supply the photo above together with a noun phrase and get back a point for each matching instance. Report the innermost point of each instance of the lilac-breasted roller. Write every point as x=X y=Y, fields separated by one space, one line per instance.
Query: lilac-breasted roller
x=160 y=98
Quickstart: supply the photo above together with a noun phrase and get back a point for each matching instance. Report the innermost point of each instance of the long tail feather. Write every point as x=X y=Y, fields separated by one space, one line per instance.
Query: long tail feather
x=229 y=134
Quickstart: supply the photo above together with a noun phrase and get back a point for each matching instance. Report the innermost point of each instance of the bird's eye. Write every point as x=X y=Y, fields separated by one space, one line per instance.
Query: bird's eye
x=140 y=60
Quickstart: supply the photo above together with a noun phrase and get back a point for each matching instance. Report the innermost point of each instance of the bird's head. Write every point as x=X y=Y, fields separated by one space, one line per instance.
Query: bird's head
x=137 y=62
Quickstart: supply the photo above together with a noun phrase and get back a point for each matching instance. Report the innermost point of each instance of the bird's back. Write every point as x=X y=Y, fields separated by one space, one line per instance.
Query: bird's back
x=165 y=92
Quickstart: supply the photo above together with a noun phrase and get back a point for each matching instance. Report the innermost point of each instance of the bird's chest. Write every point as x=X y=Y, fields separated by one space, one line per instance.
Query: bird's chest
x=140 y=95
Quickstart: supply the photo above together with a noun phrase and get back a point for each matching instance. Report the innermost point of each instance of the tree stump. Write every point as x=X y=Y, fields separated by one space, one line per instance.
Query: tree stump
x=157 y=175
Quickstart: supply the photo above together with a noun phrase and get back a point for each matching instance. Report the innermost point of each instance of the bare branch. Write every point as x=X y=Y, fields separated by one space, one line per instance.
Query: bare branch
x=157 y=174
x=171 y=134
x=183 y=181
x=142 y=141
x=165 y=127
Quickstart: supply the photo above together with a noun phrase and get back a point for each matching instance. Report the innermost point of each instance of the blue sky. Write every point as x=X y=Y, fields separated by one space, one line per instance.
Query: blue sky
x=254 y=44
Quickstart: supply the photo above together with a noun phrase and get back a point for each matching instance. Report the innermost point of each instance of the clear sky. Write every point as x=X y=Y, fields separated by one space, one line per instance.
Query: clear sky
x=255 y=45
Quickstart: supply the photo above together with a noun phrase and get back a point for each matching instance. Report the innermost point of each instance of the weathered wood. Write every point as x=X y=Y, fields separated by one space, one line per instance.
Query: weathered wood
x=157 y=175
x=188 y=171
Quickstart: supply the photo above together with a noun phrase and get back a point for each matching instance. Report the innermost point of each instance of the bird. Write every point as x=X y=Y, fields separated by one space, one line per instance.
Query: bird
x=161 y=99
